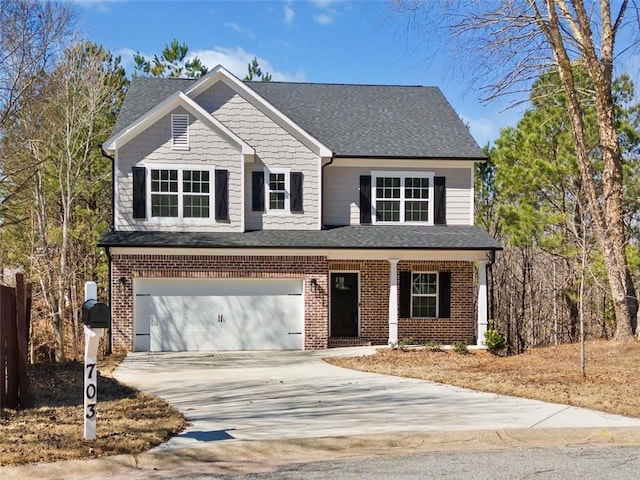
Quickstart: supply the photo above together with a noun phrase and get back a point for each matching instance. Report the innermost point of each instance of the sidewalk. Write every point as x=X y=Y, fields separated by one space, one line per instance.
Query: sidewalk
x=234 y=457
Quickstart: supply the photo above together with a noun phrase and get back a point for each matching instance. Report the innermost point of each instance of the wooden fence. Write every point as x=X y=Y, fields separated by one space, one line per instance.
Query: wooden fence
x=15 y=319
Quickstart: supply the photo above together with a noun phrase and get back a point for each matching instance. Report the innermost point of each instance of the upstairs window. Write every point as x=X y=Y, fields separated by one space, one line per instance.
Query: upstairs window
x=180 y=193
x=402 y=197
x=180 y=131
x=277 y=191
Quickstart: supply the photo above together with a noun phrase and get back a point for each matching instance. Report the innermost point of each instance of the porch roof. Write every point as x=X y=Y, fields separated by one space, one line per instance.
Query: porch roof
x=383 y=237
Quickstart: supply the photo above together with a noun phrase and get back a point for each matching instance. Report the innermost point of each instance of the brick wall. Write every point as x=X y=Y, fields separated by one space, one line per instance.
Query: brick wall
x=374 y=300
x=374 y=292
x=129 y=267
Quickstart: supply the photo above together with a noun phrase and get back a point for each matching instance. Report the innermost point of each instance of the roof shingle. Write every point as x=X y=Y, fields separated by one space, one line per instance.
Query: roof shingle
x=383 y=121
x=349 y=237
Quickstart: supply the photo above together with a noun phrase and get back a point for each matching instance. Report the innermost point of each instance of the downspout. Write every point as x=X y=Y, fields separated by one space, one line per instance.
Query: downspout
x=322 y=191
x=107 y=251
x=113 y=182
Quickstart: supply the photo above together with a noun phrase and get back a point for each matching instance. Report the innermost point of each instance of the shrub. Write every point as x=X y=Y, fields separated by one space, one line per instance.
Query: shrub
x=494 y=340
x=433 y=346
x=460 y=347
x=404 y=343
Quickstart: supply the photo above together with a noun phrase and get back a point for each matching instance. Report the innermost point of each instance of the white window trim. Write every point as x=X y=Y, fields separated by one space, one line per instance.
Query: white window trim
x=402 y=175
x=174 y=116
x=287 y=191
x=437 y=294
x=180 y=219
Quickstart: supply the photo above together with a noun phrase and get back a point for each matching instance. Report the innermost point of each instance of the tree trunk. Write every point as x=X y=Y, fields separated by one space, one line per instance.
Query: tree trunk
x=607 y=208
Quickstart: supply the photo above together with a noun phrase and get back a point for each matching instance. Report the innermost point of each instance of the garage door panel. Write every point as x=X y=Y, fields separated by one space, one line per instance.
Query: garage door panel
x=250 y=319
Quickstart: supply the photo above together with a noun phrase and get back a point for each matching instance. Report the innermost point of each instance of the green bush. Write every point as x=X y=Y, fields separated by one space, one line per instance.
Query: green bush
x=433 y=346
x=494 y=340
x=404 y=343
x=460 y=347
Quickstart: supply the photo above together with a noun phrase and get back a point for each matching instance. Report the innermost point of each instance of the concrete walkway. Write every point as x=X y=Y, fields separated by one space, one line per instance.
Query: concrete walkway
x=285 y=395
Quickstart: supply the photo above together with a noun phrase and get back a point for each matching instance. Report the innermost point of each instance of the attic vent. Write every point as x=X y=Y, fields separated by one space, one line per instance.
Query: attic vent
x=180 y=131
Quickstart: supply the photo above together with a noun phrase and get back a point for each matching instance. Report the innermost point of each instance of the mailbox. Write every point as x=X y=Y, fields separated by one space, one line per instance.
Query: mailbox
x=96 y=314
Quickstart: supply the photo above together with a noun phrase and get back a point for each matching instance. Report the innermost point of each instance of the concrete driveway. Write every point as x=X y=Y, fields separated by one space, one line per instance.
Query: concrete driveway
x=283 y=395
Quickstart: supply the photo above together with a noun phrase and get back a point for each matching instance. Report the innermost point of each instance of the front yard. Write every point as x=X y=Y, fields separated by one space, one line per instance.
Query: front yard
x=551 y=374
x=128 y=421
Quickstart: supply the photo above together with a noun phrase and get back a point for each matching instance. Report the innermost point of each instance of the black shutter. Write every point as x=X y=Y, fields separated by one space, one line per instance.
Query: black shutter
x=257 y=191
x=296 y=191
x=139 y=192
x=440 y=205
x=444 y=295
x=222 y=195
x=365 y=198
x=405 y=294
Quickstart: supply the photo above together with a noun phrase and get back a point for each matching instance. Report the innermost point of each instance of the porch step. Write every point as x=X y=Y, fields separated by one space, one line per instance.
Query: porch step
x=335 y=342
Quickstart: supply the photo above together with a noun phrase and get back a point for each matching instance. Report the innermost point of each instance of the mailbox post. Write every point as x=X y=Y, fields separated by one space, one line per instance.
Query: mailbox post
x=96 y=317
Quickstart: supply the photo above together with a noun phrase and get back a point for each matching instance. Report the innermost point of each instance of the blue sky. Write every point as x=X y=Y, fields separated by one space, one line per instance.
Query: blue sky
x=336 y=41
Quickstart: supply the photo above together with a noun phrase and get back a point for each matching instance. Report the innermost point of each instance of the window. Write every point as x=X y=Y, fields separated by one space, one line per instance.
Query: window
x=424 y=294
x=402 y=197
x=180 y=131
x=277 y=191
x=180 y=193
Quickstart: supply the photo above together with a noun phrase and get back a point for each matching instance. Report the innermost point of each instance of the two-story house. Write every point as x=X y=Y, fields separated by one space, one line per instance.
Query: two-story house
x=255 y=216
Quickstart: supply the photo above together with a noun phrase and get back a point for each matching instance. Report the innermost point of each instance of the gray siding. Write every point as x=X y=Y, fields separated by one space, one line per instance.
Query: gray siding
x=153 y=146
x=275 y=148
x=342 y=196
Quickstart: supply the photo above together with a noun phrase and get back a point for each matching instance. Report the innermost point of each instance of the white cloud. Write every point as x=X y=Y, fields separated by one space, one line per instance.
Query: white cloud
x=236 y=60
x=101 y=6
x=289 y=14
x=323 y=3
x=238 y=29
x=323 y=19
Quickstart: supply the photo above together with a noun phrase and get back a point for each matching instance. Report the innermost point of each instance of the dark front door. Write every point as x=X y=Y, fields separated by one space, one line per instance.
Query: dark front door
x=344 y=304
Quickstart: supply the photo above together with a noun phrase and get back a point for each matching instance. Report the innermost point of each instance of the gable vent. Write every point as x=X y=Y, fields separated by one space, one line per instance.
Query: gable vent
x=180 y=131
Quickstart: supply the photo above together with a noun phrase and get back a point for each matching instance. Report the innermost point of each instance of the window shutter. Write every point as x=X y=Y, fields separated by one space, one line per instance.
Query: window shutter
x=180 y=131
x=139 y=192
x=222 y=194
x=257 y=191
x=440 y=201
x=296 y=191
x=365 y=198
x=444 y=295
x=405 y=294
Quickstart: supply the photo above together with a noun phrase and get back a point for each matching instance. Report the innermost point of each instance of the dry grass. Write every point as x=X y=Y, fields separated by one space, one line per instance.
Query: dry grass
x=128 y=421
x=551 y=374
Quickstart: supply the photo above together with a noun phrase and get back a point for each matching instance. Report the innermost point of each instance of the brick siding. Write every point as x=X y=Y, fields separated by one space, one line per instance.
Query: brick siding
x=374 y=292
x=129 y=267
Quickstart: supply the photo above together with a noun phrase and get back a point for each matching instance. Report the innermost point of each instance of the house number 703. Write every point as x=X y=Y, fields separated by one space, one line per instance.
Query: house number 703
x=90 y=391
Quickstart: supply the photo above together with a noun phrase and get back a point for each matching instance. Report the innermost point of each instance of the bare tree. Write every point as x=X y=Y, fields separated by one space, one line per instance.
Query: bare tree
x=525 y=37
x=32 y=35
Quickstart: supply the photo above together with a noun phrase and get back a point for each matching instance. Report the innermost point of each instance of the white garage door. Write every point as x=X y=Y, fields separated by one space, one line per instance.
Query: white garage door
x=218 y=314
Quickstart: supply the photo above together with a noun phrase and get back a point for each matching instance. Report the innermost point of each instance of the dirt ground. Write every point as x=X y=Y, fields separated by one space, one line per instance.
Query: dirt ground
x=551 y=374
x=128 y=421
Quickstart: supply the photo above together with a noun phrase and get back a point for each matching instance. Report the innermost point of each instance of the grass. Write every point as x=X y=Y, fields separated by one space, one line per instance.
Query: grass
x=129 y=421
x=551 y=374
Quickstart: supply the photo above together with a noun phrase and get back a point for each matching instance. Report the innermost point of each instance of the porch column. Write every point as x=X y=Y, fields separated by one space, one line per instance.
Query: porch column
x=393 y=300
x=483 y=317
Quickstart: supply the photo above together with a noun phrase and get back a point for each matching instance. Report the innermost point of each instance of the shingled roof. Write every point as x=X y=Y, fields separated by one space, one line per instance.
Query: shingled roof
x=394 y=237
x=381 y=121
